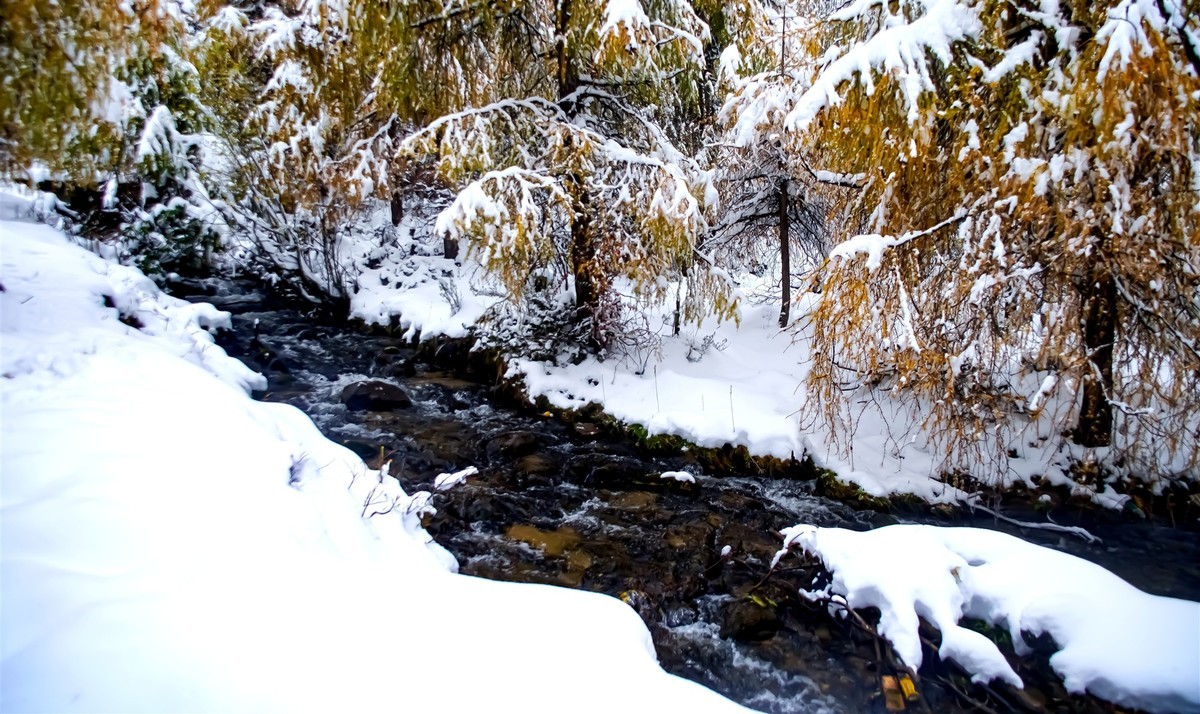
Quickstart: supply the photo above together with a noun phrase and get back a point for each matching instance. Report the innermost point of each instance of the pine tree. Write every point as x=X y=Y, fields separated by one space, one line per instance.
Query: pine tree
x=550 y=195
x=1021 y=261
x=98 y=102
x=767 y=186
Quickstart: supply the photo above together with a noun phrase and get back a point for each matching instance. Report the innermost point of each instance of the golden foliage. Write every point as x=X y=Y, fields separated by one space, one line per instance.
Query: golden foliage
x=59 y=105
x=1044 y=183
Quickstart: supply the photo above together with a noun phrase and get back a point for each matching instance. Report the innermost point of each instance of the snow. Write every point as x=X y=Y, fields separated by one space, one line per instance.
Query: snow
x=899 y=49
x=740 y=383
x=171 y=544
x=681 y=476
x=624 y=12
x=1020 y=55
x=1115 y=641
x=445 y=482
x=747 y=389
x=427 y=295
x=159 y=137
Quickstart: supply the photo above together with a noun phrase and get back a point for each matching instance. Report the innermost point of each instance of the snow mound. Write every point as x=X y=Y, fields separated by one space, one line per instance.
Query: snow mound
x=1116 y=642
x=445 y=482
x=170 y=544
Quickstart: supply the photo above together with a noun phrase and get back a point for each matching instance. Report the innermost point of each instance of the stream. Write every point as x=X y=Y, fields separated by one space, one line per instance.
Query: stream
x=569 y=505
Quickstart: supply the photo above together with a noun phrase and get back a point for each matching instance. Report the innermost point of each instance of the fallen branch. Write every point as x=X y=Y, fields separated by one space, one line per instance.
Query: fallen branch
x=1076 y=531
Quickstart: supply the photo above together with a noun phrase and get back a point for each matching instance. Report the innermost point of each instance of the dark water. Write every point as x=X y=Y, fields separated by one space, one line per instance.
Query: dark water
x=562 y=504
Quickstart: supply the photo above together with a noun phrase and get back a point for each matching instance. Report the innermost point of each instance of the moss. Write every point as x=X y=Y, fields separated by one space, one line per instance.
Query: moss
x=999 y=635
x=830 y=486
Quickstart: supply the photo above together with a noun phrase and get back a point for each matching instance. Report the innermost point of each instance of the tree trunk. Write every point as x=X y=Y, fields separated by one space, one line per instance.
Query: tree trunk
x=678 y=308
x=1099 y=333
x=583 y=249
x=568 y=74
x=397 y=207
x=785 y=258
x=583 y=255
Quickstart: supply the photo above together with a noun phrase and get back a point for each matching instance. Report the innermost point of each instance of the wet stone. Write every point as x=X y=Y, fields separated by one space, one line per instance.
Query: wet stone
x=539 y=465
x=634 y=500
x=587 y=429
x=746 y=620
x=613 y=472
x=756 y=543
x=366 y=450
x=513 y=445
x=552 y=543
x=375 y=396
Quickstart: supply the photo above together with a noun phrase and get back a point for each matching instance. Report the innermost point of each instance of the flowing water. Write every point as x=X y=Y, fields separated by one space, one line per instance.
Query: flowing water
x=567 y=505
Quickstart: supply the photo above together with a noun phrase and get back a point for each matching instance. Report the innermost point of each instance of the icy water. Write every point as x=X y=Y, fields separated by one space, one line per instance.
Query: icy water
x=562 y=504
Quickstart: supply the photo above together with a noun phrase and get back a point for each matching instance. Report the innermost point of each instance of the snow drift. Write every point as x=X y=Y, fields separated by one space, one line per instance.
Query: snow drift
x=1115 y=641
x=172 y=545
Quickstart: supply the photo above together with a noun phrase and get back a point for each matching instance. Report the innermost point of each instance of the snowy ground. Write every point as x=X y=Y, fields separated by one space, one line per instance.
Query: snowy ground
x=171 y=545
x=1114 y=640
x=715 y=383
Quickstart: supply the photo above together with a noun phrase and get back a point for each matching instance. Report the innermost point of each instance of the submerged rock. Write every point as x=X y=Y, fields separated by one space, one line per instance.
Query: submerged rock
x=750 y=620
x=512 y=445
x=375 y=396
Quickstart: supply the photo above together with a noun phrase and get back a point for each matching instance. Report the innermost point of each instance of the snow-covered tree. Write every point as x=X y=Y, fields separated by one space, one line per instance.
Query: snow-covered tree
x=99 y=99
x=1024 y=247
x=767 y=187
x=568 y=177
x=88 y=87
x=309 y=97
x=57 y=96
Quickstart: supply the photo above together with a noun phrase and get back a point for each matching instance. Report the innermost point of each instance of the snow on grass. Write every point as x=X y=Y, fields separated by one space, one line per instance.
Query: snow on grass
x=170 y=544
x=1114 y=640
x=743 y=385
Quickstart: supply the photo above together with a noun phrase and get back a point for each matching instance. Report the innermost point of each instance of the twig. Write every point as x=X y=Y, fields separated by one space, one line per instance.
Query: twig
x=657 y=404
x=1070 y=530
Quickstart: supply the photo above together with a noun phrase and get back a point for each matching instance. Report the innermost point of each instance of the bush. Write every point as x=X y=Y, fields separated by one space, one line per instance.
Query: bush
x=168 y=239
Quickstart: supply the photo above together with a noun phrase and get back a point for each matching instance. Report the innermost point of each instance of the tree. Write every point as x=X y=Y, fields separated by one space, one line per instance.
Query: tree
x=309 y=99
x=1021 y=261
x=58 y=104
x=767 y=186
x=549 y=195
x=98 y=102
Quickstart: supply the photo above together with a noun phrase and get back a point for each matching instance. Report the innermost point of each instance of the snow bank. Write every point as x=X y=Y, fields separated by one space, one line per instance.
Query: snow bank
x=1116 y=641
x=399 y=281
x=744 y=385
x=171 y=545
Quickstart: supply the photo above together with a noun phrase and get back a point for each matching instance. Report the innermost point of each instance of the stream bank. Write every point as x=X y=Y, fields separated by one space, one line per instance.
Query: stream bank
x=575 y=502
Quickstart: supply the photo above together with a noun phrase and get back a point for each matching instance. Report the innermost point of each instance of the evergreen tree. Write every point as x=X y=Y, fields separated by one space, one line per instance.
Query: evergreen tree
x=1021 y=260
x=569 y=175
x=98 y=101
